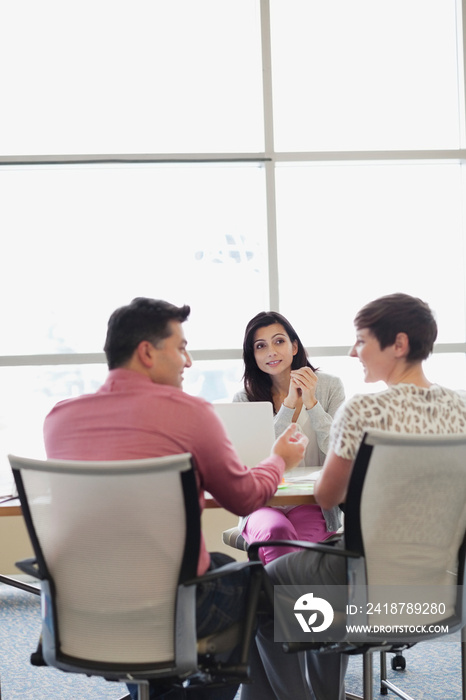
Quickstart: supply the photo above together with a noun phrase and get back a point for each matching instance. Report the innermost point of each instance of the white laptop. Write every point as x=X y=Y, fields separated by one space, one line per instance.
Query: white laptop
x=249 y=426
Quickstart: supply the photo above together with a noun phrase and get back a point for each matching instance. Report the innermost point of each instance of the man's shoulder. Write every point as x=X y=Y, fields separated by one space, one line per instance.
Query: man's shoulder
x=74 y=401
x=165 y=393
x=176 y=400
x=188 y=400
x=120 y=382
x=131 y=394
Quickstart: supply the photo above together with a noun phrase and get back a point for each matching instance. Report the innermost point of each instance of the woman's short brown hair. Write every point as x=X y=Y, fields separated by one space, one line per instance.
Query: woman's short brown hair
x=400 y=313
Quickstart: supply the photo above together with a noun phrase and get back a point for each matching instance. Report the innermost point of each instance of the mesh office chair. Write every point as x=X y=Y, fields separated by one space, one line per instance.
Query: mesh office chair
x=405 y=525
x=116 y=548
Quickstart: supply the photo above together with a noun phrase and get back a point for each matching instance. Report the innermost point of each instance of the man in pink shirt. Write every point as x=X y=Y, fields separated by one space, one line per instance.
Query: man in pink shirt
x=141 y=411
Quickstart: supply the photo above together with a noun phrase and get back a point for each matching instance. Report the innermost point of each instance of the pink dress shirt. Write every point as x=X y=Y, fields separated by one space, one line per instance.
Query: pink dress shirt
x=130 y=417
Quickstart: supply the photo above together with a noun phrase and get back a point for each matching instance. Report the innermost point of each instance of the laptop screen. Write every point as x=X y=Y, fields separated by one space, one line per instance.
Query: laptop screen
x=249 y=426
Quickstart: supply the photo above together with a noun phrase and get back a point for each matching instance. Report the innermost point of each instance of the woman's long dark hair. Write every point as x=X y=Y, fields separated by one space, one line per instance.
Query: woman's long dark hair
x=258 y=384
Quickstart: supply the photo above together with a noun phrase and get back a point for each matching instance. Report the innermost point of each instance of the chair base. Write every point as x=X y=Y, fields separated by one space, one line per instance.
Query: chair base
x=9 y=581
x=385 y=685
x=388 y=685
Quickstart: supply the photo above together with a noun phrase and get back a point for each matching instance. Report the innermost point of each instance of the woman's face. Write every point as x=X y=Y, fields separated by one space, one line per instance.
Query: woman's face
x=273 y=349
x=377 y=363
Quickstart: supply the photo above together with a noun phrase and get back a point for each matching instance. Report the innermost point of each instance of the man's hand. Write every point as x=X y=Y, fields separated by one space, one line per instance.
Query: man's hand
x=291 y=445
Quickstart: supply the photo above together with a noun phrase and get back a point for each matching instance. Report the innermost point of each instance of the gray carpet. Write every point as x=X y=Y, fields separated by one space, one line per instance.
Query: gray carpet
x=19 y=633
x=433 y=669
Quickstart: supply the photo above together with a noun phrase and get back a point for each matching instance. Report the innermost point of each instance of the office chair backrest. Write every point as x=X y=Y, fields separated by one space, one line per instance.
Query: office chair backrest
x=114 y=541
x=406 y=508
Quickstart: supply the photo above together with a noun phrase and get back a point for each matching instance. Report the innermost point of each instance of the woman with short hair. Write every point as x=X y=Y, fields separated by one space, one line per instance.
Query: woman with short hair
x=394 y=334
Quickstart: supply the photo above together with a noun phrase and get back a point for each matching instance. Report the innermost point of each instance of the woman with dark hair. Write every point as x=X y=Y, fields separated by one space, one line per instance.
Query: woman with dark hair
x=277 y=369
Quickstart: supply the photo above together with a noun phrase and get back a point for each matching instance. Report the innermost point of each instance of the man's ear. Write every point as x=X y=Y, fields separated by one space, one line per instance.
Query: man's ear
x=145 y=353
x=402 y=344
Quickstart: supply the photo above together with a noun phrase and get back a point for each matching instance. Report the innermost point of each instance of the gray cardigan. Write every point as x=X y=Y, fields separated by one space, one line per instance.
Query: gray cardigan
x=330 y=395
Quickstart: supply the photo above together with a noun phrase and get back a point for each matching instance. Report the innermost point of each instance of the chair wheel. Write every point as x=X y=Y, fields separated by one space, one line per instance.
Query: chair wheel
x=398 y=663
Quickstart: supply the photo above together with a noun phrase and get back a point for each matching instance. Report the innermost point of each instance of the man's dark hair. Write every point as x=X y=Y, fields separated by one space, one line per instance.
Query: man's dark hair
x=143 y=319
x=400 y=313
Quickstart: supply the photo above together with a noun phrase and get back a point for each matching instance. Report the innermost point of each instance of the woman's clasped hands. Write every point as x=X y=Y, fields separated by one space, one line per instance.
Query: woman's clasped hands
x=303 y=383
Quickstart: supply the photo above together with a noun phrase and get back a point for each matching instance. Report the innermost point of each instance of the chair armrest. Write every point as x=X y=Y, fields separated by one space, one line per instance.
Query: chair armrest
x=253 y=550
x=238 y=635
x=29 y=566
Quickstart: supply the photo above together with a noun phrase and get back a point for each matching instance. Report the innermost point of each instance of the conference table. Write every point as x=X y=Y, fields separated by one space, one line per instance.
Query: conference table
x=296 y=489
x=10 y=507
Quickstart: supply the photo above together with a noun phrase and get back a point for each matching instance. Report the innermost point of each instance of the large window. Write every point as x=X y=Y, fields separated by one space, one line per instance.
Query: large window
x=359 y=75
x=235 y=155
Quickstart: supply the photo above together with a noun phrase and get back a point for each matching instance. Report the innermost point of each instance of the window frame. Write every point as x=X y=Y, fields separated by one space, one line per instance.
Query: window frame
x=268 y=158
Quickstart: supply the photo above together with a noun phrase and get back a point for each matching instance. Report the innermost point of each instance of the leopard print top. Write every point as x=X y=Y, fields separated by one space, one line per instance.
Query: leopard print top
x=403 y=408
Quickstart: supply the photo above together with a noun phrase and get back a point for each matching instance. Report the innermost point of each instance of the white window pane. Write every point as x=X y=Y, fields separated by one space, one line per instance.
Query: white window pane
x=27 y=395
x=348 y=234
x=448 y=369
x=214 y=380
x=147 y=76
x=81 y=241
x=364 y=75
